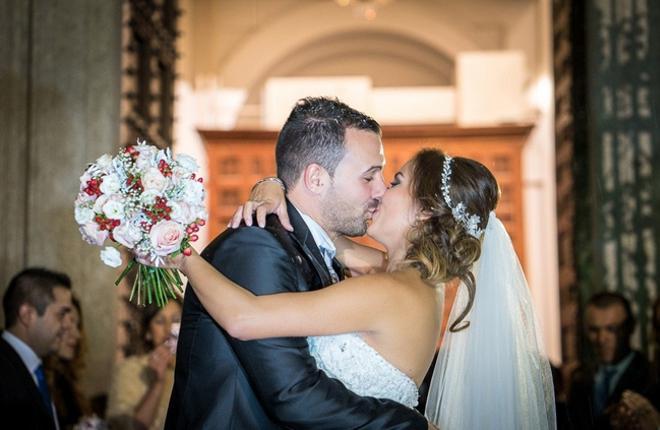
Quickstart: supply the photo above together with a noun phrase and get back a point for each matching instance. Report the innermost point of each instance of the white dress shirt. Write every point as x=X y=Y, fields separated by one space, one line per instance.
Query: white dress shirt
x=321 y=238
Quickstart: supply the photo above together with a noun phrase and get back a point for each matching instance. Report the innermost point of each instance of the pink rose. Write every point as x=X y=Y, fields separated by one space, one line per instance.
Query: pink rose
x=92 y=235
x=166 y=237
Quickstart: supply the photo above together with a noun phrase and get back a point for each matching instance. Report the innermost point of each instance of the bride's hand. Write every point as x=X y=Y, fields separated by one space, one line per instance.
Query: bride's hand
x=267 y=197
x=178 y=262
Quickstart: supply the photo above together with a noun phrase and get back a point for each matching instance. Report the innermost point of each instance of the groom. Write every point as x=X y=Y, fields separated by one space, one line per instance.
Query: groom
x=330 y=157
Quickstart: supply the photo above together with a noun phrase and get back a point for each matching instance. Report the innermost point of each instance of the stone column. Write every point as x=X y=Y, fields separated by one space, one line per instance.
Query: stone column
x=61 y=74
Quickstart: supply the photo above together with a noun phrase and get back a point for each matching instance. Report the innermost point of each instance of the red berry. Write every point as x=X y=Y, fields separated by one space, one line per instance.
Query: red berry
x=187 y=252
x=200 y=180
x=195 y=229
x=189 y=230
x=201 y=222
x=193 y=238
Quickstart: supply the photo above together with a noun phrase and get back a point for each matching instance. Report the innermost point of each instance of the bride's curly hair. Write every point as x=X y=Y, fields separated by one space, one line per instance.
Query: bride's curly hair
x=440 y=246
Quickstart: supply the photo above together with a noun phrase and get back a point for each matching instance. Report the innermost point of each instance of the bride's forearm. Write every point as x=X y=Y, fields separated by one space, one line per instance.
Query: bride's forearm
x=360 y=259
x=229 y=305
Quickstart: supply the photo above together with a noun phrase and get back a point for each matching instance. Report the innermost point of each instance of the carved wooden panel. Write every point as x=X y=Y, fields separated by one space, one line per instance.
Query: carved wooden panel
x=570 y=141
x=149 y=31
x=148 y=65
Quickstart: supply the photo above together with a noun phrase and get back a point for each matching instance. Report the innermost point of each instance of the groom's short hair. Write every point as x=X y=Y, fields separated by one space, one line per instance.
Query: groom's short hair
x=33 y=286
x=314 y=133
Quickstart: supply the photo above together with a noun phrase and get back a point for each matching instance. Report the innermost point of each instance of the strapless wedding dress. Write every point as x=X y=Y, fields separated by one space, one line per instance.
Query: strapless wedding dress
x=348 y=358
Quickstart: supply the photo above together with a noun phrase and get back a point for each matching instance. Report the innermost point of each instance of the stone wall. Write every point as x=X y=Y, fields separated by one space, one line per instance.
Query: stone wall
x=60 y=81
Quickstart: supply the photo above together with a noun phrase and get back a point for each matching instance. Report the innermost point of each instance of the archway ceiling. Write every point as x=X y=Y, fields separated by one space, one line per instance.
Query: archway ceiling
x=266 y=48
x=389 y=59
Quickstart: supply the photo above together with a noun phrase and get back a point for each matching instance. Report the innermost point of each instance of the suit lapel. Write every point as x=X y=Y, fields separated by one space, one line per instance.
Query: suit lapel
x=303 y=237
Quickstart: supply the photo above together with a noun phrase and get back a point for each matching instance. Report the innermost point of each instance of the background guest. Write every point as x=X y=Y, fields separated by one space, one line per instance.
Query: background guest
x=637 y=411
x=141 y=387
x=63 y=369
x=614 y=367
x=35 y=304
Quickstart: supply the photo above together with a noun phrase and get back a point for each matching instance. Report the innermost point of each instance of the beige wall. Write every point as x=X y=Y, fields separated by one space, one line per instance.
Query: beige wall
x=411 y=42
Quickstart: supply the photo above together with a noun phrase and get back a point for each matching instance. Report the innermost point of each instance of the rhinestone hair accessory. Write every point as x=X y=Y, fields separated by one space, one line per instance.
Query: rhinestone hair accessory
x=469 y=221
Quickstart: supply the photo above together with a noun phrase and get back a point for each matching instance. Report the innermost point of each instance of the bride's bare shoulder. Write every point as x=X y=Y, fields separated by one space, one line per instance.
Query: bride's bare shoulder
x=398 y=283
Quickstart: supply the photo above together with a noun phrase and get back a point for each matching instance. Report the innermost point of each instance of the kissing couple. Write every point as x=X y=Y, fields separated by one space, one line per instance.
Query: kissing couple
x=295 y=326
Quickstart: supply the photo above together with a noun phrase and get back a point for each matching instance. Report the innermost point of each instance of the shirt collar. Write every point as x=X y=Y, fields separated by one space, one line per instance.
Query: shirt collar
x=616 y=370
x=28 y=356
x=622 y=364
x=320 y=236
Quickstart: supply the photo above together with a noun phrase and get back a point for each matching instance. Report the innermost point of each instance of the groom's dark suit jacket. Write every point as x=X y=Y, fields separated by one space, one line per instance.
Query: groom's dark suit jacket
x=223 y=383
x=21 y=406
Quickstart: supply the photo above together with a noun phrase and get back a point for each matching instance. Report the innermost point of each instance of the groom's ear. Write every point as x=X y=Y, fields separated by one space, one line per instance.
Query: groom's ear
x=315 y=178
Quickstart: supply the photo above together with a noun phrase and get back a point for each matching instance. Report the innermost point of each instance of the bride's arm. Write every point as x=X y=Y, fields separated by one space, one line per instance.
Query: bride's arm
x=360 y=259
x=356 y=304
x=267 y=197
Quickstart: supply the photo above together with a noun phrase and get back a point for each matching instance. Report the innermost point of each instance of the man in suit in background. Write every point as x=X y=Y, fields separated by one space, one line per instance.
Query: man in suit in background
x=597 y=386
x=330 y=158
x=35 y=305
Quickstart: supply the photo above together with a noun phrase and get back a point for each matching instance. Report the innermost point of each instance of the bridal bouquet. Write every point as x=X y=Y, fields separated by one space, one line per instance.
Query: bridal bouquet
x=148 y=201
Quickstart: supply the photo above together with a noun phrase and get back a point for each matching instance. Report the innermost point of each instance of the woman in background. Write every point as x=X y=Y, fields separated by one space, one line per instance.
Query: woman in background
x=141 y=386
x=63 y=371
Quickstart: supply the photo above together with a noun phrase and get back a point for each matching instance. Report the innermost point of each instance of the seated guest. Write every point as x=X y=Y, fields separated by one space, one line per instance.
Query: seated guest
x=63 y=373
x=640 y=411
x=35 y=304
x=598 y=384
x=142 y=384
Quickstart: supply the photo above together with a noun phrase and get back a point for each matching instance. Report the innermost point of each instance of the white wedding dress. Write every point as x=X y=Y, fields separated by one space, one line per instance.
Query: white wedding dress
x=492 y=375
x=348 y=358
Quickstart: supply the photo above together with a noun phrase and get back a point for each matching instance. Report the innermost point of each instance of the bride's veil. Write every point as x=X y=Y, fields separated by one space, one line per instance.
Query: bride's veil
x=493 y=374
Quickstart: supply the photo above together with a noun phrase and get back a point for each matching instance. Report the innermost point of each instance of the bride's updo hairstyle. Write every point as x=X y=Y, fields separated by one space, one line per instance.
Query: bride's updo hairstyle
x=455 y=197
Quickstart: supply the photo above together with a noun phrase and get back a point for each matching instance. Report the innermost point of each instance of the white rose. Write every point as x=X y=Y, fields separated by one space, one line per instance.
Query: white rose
x=83 y=215
x=154 y=180
x=146 y=156
x=163 y=155
x=92 y=235
x=114 y=209
x=187 y=162
x=111 y=257
x=83 y=199
x=127 y=234
x=166 y=237
x=179 y=174
x=148 y=197
x=84 y=178
x=193 y=192
x=98 y=204
x=200 y=213
x=181 y=212
x=110 y=184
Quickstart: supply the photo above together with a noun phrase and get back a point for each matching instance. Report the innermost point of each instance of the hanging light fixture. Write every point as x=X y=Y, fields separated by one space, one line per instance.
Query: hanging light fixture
x=366 y=9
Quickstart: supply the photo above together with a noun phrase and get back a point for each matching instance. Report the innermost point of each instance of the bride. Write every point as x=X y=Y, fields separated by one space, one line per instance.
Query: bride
x=377 y=333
